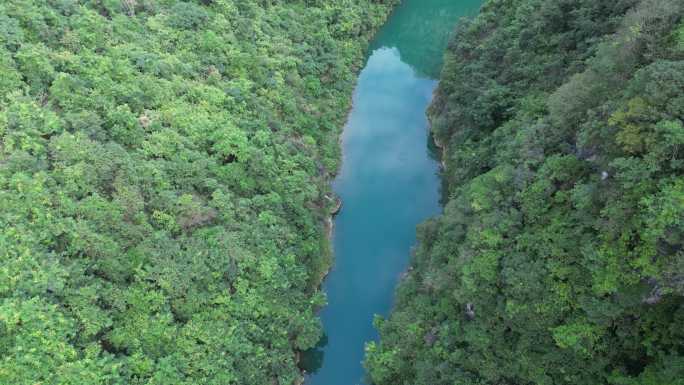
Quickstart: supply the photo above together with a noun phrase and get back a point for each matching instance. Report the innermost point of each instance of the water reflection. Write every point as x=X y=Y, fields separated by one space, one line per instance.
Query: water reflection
x=420 y=30
x=388 y=182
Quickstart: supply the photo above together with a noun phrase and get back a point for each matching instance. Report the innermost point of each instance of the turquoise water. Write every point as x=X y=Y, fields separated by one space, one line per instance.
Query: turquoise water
x=388 y=182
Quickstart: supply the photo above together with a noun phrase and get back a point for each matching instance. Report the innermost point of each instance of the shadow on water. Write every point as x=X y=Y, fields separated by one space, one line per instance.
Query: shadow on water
x=311 y=360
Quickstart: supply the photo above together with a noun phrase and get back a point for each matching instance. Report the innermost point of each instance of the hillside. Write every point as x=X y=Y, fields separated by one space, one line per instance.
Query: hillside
x=164 y=170
x=559 y=258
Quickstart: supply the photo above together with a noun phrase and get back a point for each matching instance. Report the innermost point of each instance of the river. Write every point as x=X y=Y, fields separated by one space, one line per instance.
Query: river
x=388 y=182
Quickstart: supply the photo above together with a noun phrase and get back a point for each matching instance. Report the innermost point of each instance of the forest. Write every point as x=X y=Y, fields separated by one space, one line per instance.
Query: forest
x=164 y=185
x=559 y=257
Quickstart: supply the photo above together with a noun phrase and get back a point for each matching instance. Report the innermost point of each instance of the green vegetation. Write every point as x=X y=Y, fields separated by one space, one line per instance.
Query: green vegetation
x=559 y=258
x=164 y=167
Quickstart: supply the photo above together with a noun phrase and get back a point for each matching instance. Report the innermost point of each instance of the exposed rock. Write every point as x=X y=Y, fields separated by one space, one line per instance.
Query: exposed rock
x=470 y=311
x=430 y=338
x=655 y=295
x=337 y=204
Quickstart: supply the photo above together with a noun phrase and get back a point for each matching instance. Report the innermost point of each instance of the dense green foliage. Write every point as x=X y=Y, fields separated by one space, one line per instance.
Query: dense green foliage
x=559 y=258
x=164 y=172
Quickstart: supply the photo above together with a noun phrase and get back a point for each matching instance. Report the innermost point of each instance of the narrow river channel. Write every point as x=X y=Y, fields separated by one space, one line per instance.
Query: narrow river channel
x=388 y=182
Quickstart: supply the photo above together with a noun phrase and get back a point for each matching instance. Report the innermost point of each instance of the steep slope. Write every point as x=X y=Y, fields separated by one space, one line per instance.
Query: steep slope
x=559 y=258
x=164 y=167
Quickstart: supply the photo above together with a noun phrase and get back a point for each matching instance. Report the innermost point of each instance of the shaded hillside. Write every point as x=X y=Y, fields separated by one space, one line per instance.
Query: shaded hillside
x=559 y=258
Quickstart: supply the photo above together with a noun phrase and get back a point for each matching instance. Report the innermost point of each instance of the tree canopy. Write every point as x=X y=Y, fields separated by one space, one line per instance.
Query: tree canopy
x=164 y=166
x=559 y=258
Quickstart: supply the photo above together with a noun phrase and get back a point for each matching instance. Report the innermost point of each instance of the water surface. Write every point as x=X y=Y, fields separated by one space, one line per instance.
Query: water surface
x=388 y=182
